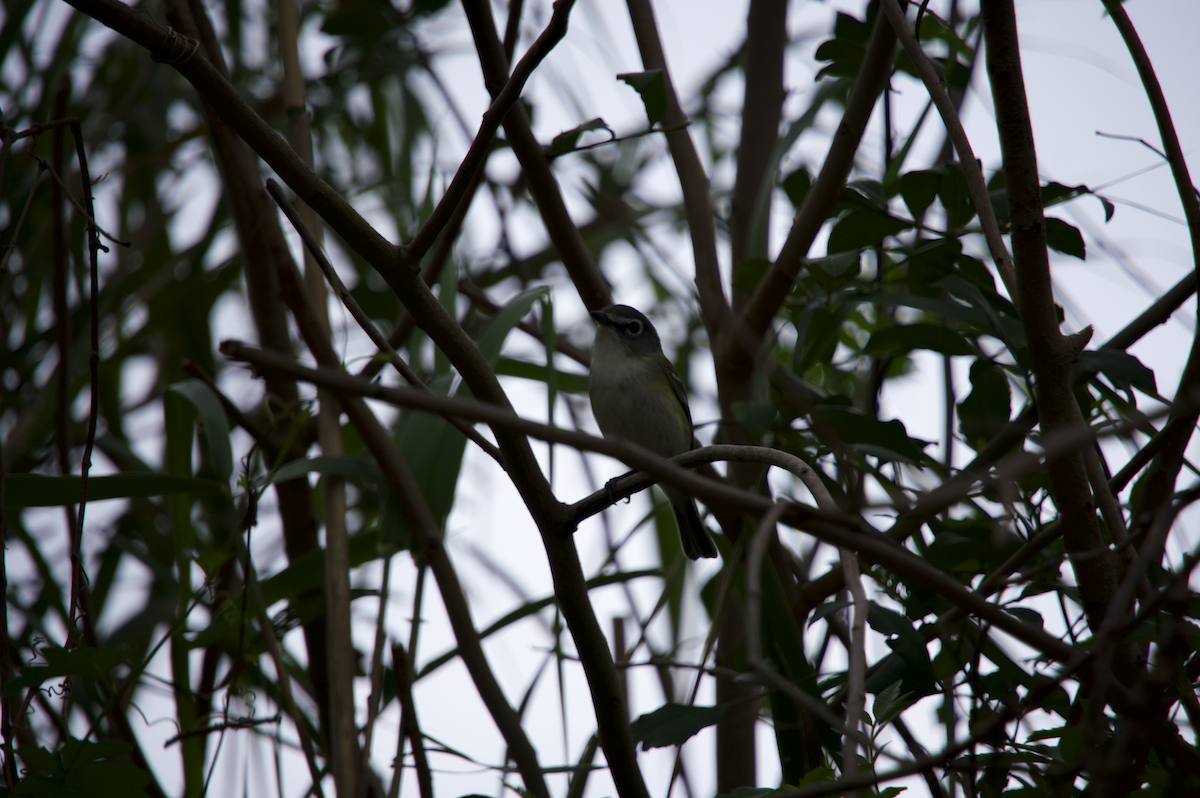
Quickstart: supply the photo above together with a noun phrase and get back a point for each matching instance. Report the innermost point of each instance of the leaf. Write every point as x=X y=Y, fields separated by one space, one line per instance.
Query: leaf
x=1055 y=193
x=914 y=668
x=799 y=735
x=889 y=703
x=90 y=663
x=565 y=142
x=355 y=468
x=433 y=448
x=968 y=546
x=869 y=193
x=213 y=422
x=929 y=262
x=503 y=322
x=755 y=417
x=844 y=265
x=673 y=724
x=653 y=90
x=919 y=190
x=1027 y=615
x=749 y=272
x=847 y=47
x=796 y=186
x=863 y=228
x=955 y=196
x=83 y=768
x=905 y=338
x=568 y=381
x=887 y=440
x=988 y=407
x=952 y=310
x=1065 y=238
x=1121 y=368
x=35 y=490
x=828 y=607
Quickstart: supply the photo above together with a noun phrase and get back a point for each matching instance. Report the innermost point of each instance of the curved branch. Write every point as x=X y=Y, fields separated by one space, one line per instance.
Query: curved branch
x=1159 y=481
x=838 y=529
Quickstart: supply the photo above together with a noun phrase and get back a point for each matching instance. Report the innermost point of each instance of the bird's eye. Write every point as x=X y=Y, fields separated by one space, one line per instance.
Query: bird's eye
x=634 y=328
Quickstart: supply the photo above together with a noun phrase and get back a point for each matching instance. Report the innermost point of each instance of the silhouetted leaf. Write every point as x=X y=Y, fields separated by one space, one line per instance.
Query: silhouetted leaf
x=905 y=338
x=863 y=228
x=919 y=190
x=652 y=88
x=673 y=724
x=566 y=141
x=1122 y=368
x=1065 y=238
x=987 y=408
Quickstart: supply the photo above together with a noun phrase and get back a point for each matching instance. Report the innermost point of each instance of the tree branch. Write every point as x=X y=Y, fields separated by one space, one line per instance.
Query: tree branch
x=588 y=280
x=415 y=508
x=826 y=190
x=1050 y=352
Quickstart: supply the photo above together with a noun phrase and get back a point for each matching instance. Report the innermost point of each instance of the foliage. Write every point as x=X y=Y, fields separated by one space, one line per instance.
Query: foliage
x=161 y=508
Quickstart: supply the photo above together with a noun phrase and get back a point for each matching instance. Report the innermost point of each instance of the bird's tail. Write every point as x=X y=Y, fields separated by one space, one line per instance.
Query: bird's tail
x=697 y=542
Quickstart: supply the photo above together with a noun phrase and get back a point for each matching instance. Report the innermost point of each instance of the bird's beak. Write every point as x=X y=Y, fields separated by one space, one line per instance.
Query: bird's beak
x=599 y=317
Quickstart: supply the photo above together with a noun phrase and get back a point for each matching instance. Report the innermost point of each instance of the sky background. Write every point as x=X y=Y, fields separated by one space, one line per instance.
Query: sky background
x=1079 y=80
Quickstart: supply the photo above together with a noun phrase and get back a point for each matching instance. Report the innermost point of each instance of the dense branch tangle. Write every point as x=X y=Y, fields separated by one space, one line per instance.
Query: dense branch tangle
x=783 y=328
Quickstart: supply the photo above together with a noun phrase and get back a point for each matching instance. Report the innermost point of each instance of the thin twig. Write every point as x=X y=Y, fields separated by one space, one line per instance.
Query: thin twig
x=537 y=52
x=79 y=207
x=857 y=668
x=78 y=575
x=365 y=322
x=21 y=219
x=6 y=698
x=693 y=181
x=377 y=657
x=402 y=668
x=238 y=723
x=427 y=531
x=281 y=670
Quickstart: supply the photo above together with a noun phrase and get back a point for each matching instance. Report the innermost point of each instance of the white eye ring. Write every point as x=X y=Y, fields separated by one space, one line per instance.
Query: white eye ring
x=634 y=327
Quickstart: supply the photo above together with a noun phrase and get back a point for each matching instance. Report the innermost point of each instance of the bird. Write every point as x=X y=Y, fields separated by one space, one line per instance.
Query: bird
x=637 y=395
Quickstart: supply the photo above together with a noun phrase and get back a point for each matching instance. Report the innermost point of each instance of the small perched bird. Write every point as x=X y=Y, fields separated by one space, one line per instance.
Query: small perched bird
x=637 y=395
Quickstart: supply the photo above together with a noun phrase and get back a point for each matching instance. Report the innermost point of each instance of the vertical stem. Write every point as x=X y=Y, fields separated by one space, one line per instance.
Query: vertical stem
x=1051 y=354
x=6 y=700
x=856 y=672
x=410 y=728
x=948 y=384
x=78 y=577
x=343 y=734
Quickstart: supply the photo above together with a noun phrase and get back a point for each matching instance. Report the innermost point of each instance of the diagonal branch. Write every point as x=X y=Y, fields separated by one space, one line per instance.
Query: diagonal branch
x=966 y=156
x=584 y=273
x=1159 y=481
x=826 y=190
x=477 y=154
x=1051 y=353
x=835 y=528
x=365 y=322
x=408 y=493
